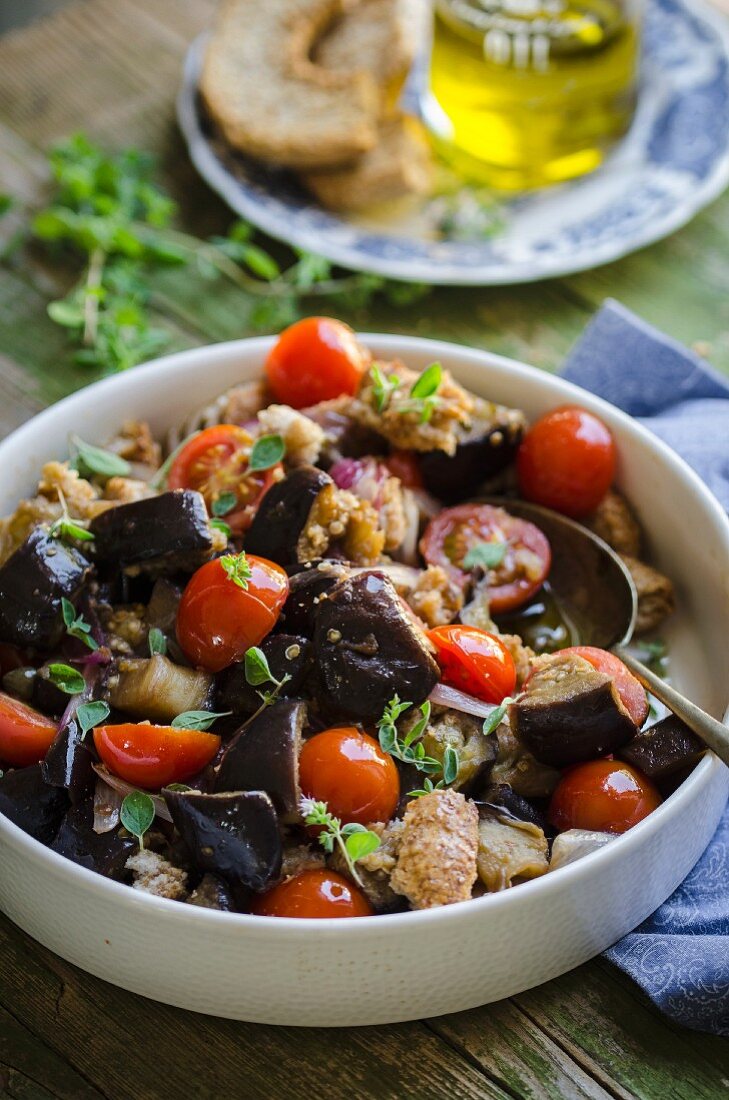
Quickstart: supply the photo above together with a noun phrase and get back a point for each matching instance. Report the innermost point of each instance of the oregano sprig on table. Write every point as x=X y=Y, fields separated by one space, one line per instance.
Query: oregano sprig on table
x=107 y=210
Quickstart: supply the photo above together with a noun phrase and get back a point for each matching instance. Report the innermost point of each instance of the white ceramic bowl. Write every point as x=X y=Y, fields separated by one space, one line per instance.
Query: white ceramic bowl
x=381 y=969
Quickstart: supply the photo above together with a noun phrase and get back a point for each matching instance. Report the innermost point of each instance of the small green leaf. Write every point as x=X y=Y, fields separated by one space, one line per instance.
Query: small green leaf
x=256 y=667
x=359 y=845
x=137 y=814
x=157 y=642
x=180 y=787
x=428 y=382
x=225 y=503
x=66 y=678
x=266 y=452
x=198 y=719
x=450 y=764
x=388 y=738
x=236 y=568
x=89 y=715
x=94 y=460
x=6 y=203
x=487 y=555
x=497 y=716
x=65 y=313
x=220 y=525
x=69 y=611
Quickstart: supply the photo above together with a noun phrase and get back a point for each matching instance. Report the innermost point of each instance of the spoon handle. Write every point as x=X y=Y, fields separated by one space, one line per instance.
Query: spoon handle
x=712 y=732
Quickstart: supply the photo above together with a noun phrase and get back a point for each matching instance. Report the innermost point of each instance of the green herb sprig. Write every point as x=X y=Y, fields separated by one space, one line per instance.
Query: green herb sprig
x=267 y=451
x=107 y=210
x=498 y=713
x=258 y=672
x=93 y=714
x=137 y=814
x=237 y=569
x=67 y=679
x=409 y=749
x=95 y=461
x=76 y=625
x=198 y=719
x=424 y=393
x=383 y=387
x=354 y=841
x=67 y=529
x=156 y=642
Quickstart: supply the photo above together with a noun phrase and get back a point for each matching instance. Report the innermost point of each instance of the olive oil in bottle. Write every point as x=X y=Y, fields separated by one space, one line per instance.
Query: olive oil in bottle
x=525 y=93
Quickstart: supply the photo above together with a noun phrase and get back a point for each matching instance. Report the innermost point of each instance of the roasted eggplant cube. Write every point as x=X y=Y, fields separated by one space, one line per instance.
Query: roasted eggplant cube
x=284 y=513
x=369 y=648
x=484 y=451
x=105 y=853
x=69 y=762
x=570 y=712
x=306 y=587
x=501 y=796
x=233 y=835
x=665 y=749
x=264 y=756
x=169 y=532
x=31 y=804
x=157 y=689
x=288 y=656
x=212 y=893
x=33 y=581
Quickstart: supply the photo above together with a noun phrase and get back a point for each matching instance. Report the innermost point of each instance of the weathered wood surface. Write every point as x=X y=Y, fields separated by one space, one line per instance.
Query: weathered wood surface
x=111 y=67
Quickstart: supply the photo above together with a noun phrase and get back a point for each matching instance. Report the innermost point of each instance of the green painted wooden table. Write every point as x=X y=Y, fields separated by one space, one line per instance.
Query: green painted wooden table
x=111 y=67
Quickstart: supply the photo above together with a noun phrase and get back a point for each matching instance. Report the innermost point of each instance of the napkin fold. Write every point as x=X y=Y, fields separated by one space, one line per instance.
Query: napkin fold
x=680 y=955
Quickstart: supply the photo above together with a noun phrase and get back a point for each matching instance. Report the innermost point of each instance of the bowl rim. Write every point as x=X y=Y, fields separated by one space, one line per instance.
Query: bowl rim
x=700 y=778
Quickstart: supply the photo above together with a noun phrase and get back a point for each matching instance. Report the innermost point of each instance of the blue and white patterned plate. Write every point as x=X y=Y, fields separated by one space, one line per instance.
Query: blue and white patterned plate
x=673 y=162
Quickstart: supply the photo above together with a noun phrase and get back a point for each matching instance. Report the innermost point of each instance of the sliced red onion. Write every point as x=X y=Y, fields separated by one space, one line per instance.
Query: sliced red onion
x=365 y=477
x=107 y=805
x=124 y=788
x=446 y=696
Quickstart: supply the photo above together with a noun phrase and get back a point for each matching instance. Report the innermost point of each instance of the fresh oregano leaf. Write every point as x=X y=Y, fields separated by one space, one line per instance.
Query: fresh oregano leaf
x=137 y=814
x=94 y=460
x=157 y=642
x=198 y=719
x=256 y=667
x=266 y=452
x=66 y=678
x=89 y=715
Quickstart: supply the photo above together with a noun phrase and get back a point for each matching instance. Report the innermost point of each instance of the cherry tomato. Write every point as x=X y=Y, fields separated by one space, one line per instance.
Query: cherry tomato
x=153 y=756
x=474 y=661
x=316 y=894
x=406 y=466
x=348 y=770
x=218 y=620
x=25 y=735
x=566 y=461
x=631 y=691
x=215 y=461
x=602 y=795
x=521 y=572
x=315 y=360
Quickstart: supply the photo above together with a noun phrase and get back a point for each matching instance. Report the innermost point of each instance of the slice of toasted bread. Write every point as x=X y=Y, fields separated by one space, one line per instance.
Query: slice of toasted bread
x=379 y=36
x=270 y=100
x=399 y=165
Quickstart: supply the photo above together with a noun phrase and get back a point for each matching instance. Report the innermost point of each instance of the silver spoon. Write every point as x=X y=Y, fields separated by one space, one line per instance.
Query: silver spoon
x=590 y=579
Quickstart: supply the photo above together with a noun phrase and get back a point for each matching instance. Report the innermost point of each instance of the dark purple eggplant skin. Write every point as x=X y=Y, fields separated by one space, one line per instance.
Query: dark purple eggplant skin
x=235 y=835
x=47 y=696
x=367 y=648
x=500 y=796
x=105 y=853
x=264 y=756
x=487 y=449
x=574 y=718
x=33 y=581
x=283 y=513
x=212 y=893
x=69 y=763
x=287 y=655
x=31 y=804
x=664 y=749
x=171 y=531
x=306 y=587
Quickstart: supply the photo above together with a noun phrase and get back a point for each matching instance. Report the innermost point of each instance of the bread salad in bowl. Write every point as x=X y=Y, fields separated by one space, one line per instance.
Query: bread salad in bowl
x=311 y=664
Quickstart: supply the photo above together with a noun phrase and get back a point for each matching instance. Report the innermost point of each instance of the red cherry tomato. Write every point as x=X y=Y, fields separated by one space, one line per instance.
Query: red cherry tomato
x=218 y=620
x=602 y=795
x=316 y=894
x=215 y=461
x=406 y=466
x=631 y=691
x=154 y=756
x=348 y=770
x=455 y=531
x=315 y=360
x=474 y=661
x=25 y=735
x=566 y=461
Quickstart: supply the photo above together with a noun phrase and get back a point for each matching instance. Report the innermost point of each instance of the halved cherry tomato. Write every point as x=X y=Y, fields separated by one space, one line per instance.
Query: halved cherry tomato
x=153 y=756
x=316 y=894
x=406 y=466
x=348 y=770
x=602 y=795
x=526 y=561
x=25 y=735
x=218 y=619
x=215 y=462
x=566 y=461
x=474 y=661
x=631 y=691
x=315 y=360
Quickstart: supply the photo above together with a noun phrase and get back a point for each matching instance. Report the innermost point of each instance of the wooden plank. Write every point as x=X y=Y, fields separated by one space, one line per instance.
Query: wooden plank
x=130 y=1048
x=31 y=1070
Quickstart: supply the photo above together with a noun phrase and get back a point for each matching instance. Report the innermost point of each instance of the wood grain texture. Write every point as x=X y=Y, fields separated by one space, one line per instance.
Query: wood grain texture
x=111 y=67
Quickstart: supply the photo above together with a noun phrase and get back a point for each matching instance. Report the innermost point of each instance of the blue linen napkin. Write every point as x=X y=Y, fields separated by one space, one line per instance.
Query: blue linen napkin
x=680 y=955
